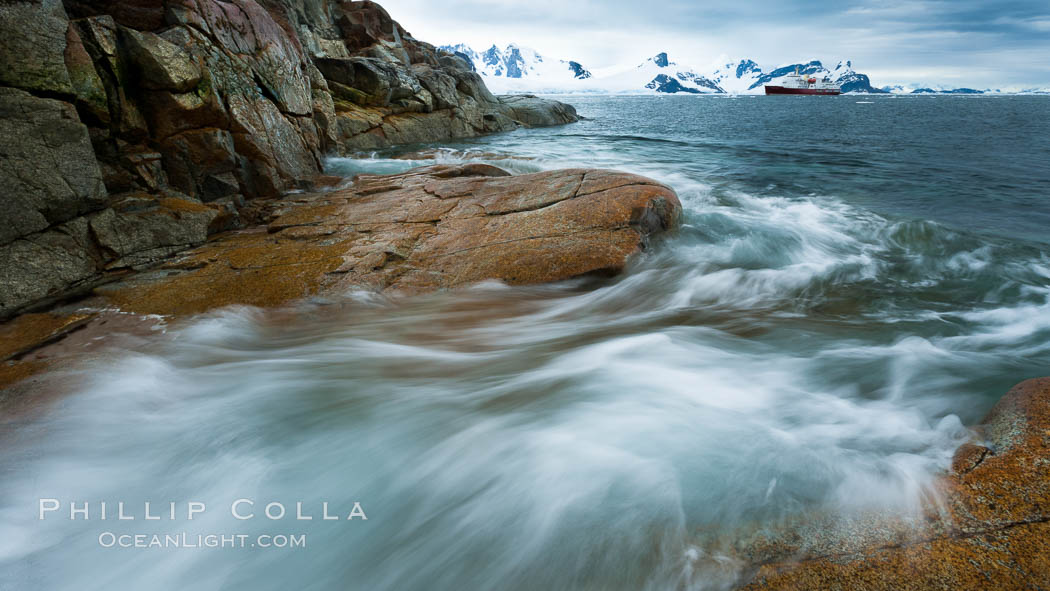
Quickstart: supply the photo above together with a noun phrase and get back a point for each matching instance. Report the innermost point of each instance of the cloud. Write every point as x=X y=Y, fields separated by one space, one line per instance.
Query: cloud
x=972 y=42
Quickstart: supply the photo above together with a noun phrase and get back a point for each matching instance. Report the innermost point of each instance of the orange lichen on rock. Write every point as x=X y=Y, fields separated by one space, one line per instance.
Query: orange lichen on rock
x=429 y=228
x=249 y=267
x=26 y=333
x=13 y=372
x=1002 y=559
x=994 y=532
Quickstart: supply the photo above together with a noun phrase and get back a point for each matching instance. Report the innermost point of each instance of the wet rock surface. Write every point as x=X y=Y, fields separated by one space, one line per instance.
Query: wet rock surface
x=430 y=228
x=112 y=109
x=988 y=529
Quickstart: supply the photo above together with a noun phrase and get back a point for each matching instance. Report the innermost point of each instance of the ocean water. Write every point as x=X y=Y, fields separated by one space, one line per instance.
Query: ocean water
x=856 y=282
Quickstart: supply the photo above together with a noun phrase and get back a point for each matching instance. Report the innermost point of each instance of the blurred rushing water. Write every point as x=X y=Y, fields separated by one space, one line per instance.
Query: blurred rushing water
x=853 y=285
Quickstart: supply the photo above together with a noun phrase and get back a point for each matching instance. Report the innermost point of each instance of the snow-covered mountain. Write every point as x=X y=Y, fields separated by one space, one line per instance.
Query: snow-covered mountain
x=517 y=68
x=656 y=74
x=918 y=88
x=747 y=77
x=520 y=69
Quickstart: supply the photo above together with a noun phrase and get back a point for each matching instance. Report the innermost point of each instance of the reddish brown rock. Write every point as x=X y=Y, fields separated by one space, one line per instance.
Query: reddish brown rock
x=210 y=101
x=431 y=228
x=30 y=331
x=27 y=333
x=145 y=15
x=992 y=529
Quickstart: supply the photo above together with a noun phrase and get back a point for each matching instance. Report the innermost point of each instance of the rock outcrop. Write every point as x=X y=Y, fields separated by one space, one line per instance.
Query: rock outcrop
x=133 y=129
x=989 y=530
x=430 y=228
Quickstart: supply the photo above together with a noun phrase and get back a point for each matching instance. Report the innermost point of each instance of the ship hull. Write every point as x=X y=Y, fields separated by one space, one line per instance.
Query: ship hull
x=785 y=90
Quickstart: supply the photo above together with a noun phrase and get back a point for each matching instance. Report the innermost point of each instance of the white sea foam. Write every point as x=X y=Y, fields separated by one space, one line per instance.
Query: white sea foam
x=785 y=354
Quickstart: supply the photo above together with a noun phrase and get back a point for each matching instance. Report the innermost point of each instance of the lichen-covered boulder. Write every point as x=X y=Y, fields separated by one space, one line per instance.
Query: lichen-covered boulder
x=431 y=228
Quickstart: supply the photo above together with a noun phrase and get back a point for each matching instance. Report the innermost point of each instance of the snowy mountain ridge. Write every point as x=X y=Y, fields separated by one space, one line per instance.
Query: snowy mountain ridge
x=520 y=69
x=518 y=63
x=918 y=88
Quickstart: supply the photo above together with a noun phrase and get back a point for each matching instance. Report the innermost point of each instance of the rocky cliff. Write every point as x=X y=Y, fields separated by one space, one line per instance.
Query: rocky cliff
x=132 y=129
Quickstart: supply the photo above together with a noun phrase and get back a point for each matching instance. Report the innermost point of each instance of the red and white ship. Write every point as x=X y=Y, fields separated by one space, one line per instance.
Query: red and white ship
x=798 y=84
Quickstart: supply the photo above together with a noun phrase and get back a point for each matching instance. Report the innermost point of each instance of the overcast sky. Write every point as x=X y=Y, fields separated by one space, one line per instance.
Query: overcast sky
x=982 y=44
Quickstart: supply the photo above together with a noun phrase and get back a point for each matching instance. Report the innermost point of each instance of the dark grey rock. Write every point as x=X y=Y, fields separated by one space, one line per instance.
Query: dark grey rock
x=45 y=264
x=139 y=238
x=537 y=112
x=47 y=165
x=161 y=65
x=33 y=44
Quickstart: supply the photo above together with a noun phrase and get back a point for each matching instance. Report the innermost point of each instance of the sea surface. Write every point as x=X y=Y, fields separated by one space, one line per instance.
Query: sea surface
x=856 y=281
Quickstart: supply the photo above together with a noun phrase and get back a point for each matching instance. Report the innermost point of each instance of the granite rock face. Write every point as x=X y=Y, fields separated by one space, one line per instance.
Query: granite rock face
x=388 y=88
x=426 y=229
x=32 y=46
x=141 y=104
x=430 y=228
x=47 y=163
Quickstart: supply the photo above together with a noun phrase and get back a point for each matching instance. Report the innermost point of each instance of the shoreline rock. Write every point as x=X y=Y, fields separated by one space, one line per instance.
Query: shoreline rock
x=991 y=528
x=131 y=130
x=431 y=228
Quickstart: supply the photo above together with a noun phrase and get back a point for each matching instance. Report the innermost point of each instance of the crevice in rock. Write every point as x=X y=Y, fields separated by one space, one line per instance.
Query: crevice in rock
x=382 y=189
x=59 y=335
x=48 y=94
x=602 y=190
x=537 y=237
x=536 y=207
x=266 y=92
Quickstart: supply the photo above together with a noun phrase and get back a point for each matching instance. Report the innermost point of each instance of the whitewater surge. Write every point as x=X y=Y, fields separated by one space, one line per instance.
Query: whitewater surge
x=789 y=352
